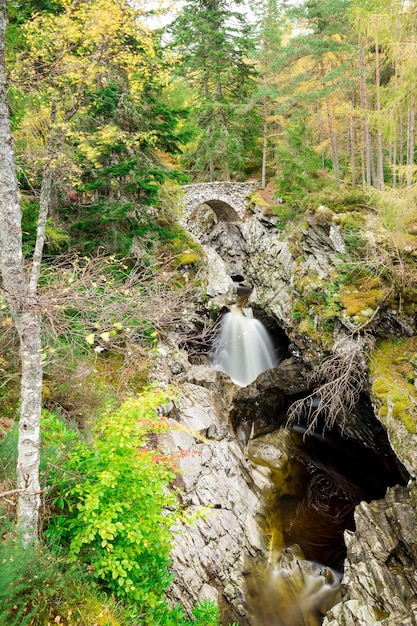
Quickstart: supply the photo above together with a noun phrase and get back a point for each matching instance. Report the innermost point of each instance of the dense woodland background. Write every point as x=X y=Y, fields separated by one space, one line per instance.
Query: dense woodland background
x=110 y=116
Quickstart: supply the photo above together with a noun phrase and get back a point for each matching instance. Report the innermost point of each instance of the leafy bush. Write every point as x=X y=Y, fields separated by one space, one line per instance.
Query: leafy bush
x=111 y=511
x=115 y=516
x=113 y=508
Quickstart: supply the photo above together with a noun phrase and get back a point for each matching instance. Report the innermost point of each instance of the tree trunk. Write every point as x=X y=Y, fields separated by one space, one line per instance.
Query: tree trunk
x=380 y=163
x=394 y=139
x=265 y=143
x=411 y=138
x=23 y=309
x=211 y=166
x=401 y=152
x=333 y=138
x=364 y=105
x=333 y=141
x=352 y=146
x=44 y=204
x=225 y=171
x=28 y=326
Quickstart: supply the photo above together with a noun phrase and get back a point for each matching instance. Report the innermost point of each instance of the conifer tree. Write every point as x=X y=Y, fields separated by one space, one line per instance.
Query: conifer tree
x=314 y=66
x=271 y=27
x=213 y=41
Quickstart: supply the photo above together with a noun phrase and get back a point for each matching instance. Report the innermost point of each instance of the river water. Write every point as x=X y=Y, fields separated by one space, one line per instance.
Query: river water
x=309 y=507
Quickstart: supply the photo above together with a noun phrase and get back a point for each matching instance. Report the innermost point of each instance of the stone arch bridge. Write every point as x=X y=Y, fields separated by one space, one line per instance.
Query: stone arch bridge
x=228 y=200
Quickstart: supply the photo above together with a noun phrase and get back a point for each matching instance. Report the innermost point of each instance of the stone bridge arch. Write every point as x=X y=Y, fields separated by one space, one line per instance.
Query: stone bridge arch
x=228 y=200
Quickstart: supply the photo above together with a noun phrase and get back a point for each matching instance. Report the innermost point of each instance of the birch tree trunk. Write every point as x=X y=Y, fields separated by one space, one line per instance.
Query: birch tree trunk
x=24 y=312
x=44 y=204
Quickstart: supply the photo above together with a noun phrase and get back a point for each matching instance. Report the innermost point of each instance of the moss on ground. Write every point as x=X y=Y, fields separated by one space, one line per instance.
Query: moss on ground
x=393 y=368
x=361 y=297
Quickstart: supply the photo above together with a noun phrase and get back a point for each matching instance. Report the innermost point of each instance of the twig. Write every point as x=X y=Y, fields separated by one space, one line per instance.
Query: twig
x=368 y=321
x=12 y=492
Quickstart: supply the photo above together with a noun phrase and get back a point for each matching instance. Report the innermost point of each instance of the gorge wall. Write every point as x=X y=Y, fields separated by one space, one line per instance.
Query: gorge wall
x=226 y=473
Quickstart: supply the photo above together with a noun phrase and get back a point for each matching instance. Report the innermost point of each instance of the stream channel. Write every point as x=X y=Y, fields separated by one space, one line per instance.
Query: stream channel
x=312 y=498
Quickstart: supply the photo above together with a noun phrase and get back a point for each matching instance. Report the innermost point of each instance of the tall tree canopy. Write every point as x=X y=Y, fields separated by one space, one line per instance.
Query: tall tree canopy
x=213 y=41
x=91 y=121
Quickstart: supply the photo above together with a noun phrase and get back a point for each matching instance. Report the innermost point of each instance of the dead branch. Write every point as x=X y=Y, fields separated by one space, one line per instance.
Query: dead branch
x=11 y=492
x=339 y=381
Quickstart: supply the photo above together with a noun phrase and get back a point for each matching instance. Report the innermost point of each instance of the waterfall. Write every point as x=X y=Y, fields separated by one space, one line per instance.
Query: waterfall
x=243 y=348
x=290 y=591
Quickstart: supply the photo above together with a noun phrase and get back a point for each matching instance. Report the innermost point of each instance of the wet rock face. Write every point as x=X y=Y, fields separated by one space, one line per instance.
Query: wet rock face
x=220 y=488
x=222 y=485
x=380 y=578
x=224 y=474
x=262 y=406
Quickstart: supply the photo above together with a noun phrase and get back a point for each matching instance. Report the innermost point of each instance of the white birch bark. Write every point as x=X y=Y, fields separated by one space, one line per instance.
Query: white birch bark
x=23 y=310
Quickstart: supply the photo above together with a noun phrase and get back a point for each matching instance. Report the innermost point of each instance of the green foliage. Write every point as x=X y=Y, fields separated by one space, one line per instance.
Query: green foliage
x=213 y=41
x=8 y=456
x=36 y=585
x=112 y=508
x=339 y=201
x=352 y=228
x=115 y=517
x=56 y=240
x=287 y=212
x=298 y=163
x=109 y=150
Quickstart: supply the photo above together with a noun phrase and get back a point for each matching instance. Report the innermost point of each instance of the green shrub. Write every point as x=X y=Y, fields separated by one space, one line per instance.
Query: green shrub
x=115 y=508
x=338 y=200
x=112 y=508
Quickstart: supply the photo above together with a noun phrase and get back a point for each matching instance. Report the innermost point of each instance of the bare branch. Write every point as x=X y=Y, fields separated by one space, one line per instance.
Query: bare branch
x=340 y=379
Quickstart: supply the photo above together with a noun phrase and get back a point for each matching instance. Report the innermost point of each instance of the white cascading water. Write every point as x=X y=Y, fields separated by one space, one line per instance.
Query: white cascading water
x=292 y=593
x=243 y=348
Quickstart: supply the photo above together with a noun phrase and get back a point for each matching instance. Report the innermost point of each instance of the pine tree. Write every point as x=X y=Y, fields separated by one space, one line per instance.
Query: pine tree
x=270 y=33
x=321 y=56
x=213 y=43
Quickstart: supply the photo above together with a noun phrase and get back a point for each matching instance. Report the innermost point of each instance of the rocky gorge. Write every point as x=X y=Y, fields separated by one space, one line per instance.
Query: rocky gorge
x=253 y=467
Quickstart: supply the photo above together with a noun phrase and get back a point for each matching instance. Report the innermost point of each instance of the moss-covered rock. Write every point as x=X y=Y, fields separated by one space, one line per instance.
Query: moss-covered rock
x=361 y=298
x=393 y=375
